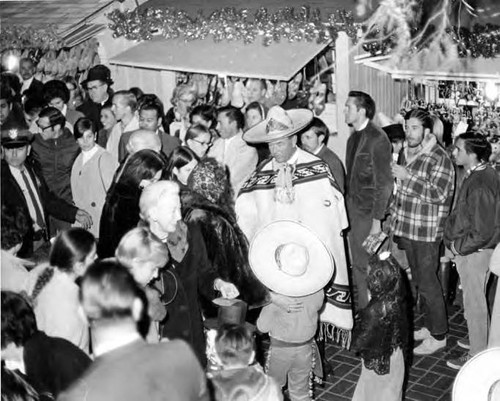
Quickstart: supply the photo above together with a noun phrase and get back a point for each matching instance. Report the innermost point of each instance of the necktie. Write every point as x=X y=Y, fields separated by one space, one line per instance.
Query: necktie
x=38 y=212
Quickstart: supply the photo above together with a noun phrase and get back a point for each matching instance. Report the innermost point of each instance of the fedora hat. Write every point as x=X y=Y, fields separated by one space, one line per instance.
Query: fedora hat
x=280 y=123
x=16 y=138
x=98 y=73
x=230 y=311
x=479 y=378
x=290 y=259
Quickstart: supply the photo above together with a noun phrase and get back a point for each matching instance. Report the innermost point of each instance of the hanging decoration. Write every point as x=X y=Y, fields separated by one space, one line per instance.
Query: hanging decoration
x=231 y=24
x=19 y=37
x=391 y=29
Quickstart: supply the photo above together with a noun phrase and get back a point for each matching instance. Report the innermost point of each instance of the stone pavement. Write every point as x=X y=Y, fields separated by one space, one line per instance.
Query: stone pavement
x=429 y=378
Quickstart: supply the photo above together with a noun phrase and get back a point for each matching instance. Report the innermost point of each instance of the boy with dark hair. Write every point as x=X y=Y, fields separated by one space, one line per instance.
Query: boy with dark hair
x=240 y=378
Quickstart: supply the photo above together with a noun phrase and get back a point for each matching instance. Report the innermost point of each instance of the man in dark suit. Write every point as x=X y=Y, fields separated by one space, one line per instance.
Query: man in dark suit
x=126 y=367
x=369 y=182
x=314 y=140
x=31 y=88
x=23 y=185
x=98 y=87
x=150 y=119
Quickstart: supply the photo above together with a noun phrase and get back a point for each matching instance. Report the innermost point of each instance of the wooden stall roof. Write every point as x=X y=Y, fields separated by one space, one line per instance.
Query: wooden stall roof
x=280 y=61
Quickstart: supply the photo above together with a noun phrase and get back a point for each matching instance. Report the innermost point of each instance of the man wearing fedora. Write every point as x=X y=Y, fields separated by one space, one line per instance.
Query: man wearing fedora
x=98 y=87
x=296 y=185
x=23 y=185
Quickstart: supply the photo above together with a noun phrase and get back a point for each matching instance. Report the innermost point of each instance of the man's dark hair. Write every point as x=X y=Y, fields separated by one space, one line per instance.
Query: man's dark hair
x=108 y=291
x=424 y=117
x=364 y=101
x=319 y=128
x=54 y=115
x=233 y=114
x=206 y=112
x=33 y=106
x=18 y=319
x=152 y=104
x=55 y=89
x=15 y=225
x=476 y=143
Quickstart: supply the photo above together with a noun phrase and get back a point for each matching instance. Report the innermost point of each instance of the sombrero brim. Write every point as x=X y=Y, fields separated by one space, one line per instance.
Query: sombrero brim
x=319 y=270
x=476 y=378
x=258 y=134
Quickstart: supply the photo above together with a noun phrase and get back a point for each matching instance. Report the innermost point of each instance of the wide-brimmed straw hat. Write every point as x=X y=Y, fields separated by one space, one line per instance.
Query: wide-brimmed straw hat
x=280 y=123
x=479 y=378
x=290 y=259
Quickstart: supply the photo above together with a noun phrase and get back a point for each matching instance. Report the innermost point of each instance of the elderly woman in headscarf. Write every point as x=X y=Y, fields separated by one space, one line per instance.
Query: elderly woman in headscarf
x=209 y=202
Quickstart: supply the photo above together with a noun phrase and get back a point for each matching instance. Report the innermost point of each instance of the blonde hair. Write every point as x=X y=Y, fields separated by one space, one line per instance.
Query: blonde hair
x=152 y=194
x=141 y=244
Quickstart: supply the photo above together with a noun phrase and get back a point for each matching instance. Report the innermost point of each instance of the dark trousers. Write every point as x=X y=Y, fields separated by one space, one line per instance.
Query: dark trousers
x=423 y=258
x=360 y=226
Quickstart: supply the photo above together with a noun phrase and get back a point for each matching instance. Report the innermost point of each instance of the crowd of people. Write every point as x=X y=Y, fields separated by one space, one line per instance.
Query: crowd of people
x=126 y=228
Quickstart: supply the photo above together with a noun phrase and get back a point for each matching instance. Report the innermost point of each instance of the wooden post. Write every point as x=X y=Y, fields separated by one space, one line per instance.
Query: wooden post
x=342 y=59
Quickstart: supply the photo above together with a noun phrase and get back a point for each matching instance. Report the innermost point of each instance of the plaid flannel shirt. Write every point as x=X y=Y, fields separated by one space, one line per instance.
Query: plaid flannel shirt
x=422 y=202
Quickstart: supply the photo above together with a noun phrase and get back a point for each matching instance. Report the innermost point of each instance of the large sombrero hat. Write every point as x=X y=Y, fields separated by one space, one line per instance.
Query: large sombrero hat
x=290 y=259
x=280 y=123
x=479 y=378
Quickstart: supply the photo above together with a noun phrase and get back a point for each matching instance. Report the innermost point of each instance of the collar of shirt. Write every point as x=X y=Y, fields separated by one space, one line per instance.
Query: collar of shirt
x=477 y=167
x=27 y=84
x=318 y=149
x=87 y=155
x=363 y=126
x=64 y=110
x=132 y=125
x=118 y=341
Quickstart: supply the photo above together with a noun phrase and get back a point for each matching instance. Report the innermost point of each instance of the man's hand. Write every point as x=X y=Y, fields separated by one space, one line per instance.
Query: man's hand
x=285 y=303
x=400 y=172
x=84 y=219
x=227 y=290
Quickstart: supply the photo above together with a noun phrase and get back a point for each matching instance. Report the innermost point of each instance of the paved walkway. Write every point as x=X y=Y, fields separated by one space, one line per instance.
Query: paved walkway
x=429 y=377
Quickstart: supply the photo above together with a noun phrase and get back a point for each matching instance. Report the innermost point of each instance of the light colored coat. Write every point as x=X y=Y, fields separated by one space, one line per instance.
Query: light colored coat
x=240 y=159
x=90 y=182
x=318 y=205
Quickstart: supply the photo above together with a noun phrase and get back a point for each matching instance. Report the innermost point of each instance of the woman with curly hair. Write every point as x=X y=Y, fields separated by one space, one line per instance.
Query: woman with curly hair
x=53 y=289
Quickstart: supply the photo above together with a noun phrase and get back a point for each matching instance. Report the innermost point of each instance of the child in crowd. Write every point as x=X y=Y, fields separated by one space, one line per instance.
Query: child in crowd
x=381 y=333
x=241 y=378
x=144 y=254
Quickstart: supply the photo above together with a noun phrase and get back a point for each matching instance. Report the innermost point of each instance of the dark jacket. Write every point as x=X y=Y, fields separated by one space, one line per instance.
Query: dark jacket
x=13 y=196
x=186 y=283
x=227 y=246
x=93 y=110
x=35 y=91
x=55 y=157
x=119 y=215
x=335 y=164
x=369 y=178
x=474 y=222
x=53 y=364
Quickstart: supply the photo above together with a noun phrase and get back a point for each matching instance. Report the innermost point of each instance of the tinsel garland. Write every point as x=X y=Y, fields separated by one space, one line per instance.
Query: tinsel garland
x=480 y=41
x=304 y=24
x=231 y=24
x=23 y=37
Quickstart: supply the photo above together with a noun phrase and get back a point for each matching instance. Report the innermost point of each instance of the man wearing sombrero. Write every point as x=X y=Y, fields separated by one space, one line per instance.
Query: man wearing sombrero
x=296 y=185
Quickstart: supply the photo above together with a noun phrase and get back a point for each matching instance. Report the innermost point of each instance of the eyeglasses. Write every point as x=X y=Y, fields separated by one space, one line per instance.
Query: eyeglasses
x=94 y=88
x=47 y=127
x=207 y=144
